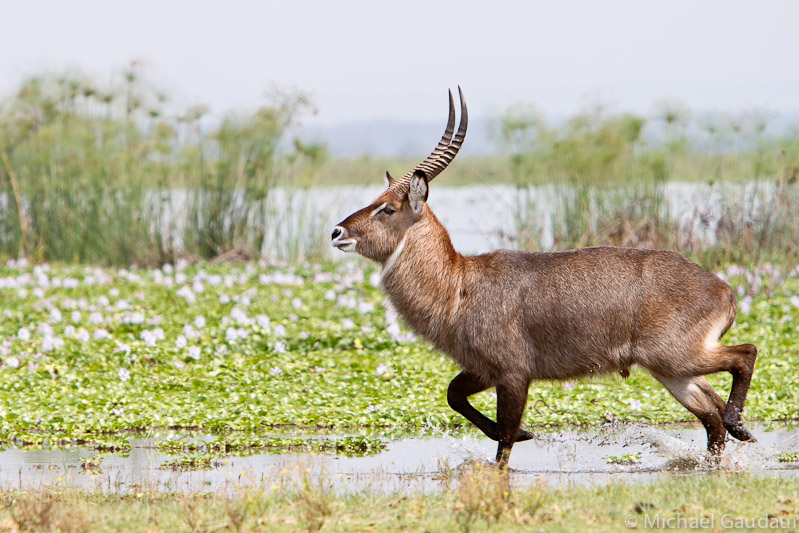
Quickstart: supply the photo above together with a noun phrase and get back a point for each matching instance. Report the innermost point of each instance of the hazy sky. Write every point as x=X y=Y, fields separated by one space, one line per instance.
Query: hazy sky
x=364 y=60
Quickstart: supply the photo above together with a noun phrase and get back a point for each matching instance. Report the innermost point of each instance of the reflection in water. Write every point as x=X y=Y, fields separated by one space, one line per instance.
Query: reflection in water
x=566 y=457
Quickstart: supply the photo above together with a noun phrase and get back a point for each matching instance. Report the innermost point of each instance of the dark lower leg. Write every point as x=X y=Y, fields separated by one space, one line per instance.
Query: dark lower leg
x=511 y=400
x=741 y=379
x=464 y=385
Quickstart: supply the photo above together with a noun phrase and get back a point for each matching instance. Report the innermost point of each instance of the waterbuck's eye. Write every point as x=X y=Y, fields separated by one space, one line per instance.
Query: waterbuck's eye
x=389 y=210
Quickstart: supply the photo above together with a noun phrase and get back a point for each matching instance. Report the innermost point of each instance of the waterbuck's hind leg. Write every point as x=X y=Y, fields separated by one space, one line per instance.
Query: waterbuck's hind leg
x=696 y=394
x=464 y=385
x=745 y=355
x=511 y=400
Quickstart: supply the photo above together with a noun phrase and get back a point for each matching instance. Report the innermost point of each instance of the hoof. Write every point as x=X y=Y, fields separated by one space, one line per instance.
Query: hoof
x=524 y=435
x=739 y=432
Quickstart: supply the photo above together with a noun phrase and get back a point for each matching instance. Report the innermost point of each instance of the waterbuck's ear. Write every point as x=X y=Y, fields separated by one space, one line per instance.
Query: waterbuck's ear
x=417 y=192
x=389 y=180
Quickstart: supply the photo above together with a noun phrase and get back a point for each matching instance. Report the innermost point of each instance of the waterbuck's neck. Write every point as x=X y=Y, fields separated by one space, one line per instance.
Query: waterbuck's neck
x=423 y=278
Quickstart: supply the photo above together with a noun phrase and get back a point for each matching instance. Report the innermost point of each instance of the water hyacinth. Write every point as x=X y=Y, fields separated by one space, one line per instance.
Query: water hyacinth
x=297 y=348
x=263 y=321
x=82 y=335
x=190 y=333
x=23 y=334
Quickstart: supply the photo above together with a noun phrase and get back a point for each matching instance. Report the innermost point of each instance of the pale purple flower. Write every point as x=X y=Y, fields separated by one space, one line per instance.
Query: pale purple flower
x=365 y=307
x=100 y=334
x=374 y=279
x=240 y=316
x=187 y=294
x=280 y=330
x=280 y=347
x=795 y=301
x=12 y=361
x=118 y=411
x=347 y=323
x=133 y=318
x=38 y=292
x=745 y=305
x=55 y=315
x=190 y=332
x=568 y=385
x=635 y=405
x=23 y=334
x=181 y=342
x=296 y=303
x=330 y=295
x=381 y=369
x=76 y=317
x=103 y=300
x=124 y=348
x=371 y=409
x=96 y=318
x=263 y=321
x=194 y=352
x=123 y=374
x=199 y=322
x=224 y=299
x=113 y=292
x=82 y=335
x=232 y=334
x=276 y=371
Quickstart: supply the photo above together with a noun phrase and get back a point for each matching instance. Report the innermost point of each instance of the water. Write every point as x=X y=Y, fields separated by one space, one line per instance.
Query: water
x=561 y=458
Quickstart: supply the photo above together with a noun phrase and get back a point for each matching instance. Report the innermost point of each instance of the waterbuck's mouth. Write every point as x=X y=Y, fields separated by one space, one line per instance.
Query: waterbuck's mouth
x=345 y=245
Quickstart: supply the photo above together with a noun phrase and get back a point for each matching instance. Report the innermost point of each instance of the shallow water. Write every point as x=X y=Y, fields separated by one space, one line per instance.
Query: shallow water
x=560 y=458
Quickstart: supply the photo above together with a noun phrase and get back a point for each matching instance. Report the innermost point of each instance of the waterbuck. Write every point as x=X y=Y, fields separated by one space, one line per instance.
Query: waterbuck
x=509 y=317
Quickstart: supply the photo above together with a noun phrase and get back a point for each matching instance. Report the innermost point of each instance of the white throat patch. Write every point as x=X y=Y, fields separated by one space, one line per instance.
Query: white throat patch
x=393 y=257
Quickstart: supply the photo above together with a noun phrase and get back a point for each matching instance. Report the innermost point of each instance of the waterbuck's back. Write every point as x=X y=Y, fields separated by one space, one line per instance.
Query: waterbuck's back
x=593 y=310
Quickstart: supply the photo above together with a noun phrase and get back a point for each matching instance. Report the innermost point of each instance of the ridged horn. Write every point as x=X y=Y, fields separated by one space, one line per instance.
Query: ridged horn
x=444 y=153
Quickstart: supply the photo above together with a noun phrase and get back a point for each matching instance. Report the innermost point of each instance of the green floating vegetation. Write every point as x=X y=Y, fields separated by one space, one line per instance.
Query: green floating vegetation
x=92 y=356
x=350 y=446
x=627 y=459
x=788 y=457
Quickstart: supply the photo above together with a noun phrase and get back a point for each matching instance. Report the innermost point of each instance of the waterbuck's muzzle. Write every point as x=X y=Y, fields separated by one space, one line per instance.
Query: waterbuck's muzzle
x=341 y=241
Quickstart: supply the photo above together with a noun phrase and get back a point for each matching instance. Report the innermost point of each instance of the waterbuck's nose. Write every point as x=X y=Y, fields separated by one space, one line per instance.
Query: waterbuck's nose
x=338 y=231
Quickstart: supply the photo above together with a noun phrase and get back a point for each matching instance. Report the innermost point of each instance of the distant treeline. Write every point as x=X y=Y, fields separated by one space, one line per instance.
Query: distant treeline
x=119 y=174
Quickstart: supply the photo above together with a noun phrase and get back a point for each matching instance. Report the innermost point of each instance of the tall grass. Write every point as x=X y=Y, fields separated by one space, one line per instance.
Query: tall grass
x=116 y=176
x=611 y=172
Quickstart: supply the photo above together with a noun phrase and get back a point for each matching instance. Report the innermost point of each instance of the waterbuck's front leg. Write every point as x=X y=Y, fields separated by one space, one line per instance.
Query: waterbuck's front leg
x=464 y=385
x=511 y=401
